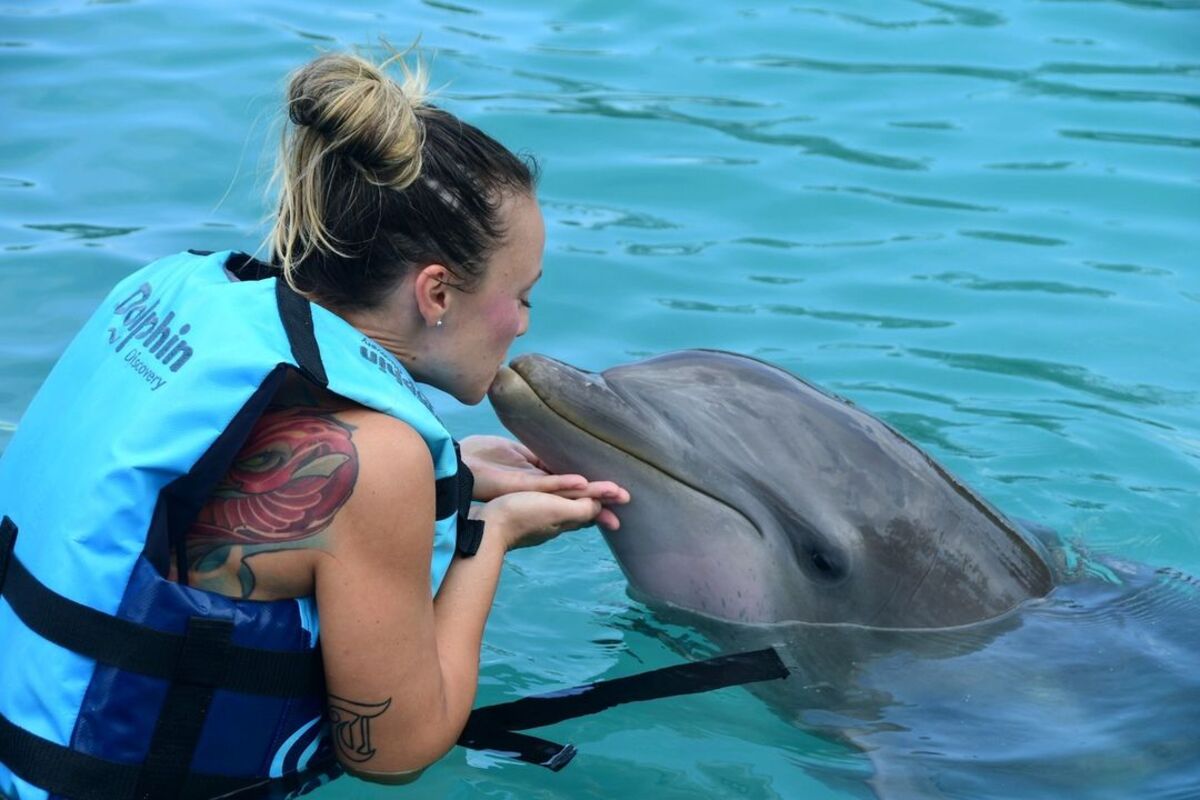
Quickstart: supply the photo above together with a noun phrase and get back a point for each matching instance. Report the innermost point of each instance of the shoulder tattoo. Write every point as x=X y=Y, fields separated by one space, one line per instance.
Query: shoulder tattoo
x=297 y=469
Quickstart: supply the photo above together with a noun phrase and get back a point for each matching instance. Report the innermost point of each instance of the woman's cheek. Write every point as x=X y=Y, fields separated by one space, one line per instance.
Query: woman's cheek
x=504 y=321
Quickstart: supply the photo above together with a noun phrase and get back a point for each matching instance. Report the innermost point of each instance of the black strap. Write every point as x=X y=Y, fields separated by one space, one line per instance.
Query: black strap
x=8 y=540
x=202 y=666
x=453 y=496
x=79 y=776
x=446 y=495
x=519 y=746
x=490 y=727
x=296 y=314
x=137 y=648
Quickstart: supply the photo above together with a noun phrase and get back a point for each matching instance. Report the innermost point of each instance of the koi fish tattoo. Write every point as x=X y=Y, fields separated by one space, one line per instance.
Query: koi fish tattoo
x=296 y=470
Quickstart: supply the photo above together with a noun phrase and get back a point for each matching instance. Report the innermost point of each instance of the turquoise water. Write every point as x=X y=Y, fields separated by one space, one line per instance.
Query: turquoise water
x=978 y=221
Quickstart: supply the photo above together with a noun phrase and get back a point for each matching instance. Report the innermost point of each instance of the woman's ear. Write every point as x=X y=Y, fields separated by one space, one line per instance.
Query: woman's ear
x=432 y=289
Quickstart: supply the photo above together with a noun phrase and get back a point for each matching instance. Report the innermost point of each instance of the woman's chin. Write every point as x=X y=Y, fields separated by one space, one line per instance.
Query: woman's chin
x=474 y=399
x=471 y=396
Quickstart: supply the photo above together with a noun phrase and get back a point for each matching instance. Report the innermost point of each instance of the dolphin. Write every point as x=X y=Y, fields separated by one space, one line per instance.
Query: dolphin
x=962 y=654
x=758 y=497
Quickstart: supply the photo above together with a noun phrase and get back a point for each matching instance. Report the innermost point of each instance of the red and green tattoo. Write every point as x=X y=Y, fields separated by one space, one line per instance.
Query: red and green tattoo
x=296 y=470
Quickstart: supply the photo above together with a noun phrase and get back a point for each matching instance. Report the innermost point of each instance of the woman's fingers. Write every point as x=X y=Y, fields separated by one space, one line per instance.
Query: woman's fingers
x=608 y=520
x=607 y=491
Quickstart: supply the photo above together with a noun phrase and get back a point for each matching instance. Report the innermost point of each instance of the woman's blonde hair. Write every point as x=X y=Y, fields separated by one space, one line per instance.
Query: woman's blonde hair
x=374 y=179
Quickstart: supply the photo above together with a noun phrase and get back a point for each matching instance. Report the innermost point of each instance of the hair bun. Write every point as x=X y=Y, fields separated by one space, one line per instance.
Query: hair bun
x=362 y=113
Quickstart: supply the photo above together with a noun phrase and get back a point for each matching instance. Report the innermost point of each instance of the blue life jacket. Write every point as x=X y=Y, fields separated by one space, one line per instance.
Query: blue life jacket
x=114 y=681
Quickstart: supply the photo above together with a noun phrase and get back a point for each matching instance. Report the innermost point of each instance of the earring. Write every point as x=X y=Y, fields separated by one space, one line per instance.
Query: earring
x=438 y=323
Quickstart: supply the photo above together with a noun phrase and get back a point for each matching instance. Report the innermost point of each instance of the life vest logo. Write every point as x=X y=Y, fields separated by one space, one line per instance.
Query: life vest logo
x=388 y=365
x=155 y=340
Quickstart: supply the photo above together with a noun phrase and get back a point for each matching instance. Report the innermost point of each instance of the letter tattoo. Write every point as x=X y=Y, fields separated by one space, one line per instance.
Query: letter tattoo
x=351 y=722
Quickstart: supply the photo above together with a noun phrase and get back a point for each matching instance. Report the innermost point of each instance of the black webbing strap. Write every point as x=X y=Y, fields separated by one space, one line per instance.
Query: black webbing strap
x=490 y=727
x=8 y=540
x=446 y=495
x=136 y=648
x=69 y=773
x=296 y=314
x=201 y=667
x=453 y=496
x=470 y=531
x=519 y=746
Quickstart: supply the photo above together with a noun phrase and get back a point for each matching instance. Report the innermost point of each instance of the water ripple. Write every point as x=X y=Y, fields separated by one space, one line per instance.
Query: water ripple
x=1120 y=137
x=955 y=15
x=1065 y=375
x=76 y=230
x=682 y=249
x=849 y=317
x=311 y=36
x=775 y=280
x=772 y=61
x=1028 y=79
x=930 y=430
x=596 y=218
x=1032 y=166
x=1112 y=412
x=1156 y=5
x=1014 y=238
x=1048 y=422
x=932 y=125
x=969 y=280
x=592 y=100
x=698 y=305
x=451 y=7
x=787 y=244
x=484 y=37
x=876 y=320
x=1132 y=269
x=1054 y=89
x=917 y=394
x=1082 y=68
x=906 y=199
x=1052 y=423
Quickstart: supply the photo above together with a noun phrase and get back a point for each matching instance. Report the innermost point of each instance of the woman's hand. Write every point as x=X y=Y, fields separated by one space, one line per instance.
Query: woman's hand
x=502 y=466
x=525 y=519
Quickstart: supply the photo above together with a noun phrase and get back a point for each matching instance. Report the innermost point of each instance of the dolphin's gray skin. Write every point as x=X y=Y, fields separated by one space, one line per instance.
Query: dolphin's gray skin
x=896 y=596
x=759 y=498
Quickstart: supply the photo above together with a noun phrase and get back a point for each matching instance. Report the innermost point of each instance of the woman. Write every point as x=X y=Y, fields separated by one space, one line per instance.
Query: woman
x=252 y=451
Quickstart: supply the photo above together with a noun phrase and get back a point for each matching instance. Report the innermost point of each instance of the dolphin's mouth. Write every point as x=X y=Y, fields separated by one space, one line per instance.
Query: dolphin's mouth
x=566 y=415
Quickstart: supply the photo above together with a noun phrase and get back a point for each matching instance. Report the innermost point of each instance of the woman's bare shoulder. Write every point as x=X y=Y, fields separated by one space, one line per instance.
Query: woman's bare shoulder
x=371 y=435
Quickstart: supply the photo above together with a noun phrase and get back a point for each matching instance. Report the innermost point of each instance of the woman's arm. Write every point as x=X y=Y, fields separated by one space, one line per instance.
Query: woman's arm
x=401 y=668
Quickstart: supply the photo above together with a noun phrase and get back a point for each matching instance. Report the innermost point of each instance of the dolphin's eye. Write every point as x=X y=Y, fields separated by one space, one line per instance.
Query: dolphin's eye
x=824 y=567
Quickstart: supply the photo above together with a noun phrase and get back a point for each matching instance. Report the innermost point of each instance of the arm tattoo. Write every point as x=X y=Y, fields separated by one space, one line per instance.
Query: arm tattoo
x=351 y=723
x=292 y=476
